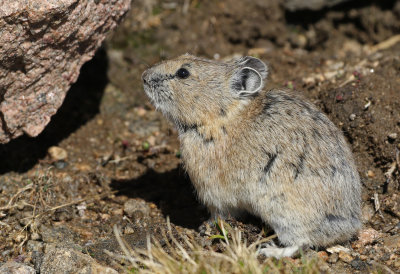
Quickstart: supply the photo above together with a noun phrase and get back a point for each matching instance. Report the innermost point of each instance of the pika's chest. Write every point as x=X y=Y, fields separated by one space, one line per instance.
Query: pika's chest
x=204 y=156
x=216 y=159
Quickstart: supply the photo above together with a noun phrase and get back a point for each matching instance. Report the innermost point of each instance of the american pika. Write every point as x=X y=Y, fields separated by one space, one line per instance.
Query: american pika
x=268 y=152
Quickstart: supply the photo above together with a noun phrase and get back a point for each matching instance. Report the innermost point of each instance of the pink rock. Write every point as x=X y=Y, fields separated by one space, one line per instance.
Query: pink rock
x=43 y=44
x=366 y=236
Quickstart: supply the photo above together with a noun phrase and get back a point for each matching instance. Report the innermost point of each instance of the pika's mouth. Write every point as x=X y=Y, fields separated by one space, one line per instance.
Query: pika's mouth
x=156 y=87
x=149 y=90
x=157 y=93
x=148 y=83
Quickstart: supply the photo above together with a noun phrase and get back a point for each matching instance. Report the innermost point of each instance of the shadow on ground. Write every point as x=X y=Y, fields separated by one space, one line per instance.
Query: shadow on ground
x=80 y=105
x=171 y=191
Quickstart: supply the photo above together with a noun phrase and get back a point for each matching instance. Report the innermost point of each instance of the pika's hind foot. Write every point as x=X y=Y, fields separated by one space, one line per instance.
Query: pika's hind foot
x=271 y=250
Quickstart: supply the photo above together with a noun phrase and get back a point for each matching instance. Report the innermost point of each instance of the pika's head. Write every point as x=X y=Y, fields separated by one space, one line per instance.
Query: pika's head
x=190 y=90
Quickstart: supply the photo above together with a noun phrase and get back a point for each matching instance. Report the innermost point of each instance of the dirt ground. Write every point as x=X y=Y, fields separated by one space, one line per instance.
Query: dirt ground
x=122 y=165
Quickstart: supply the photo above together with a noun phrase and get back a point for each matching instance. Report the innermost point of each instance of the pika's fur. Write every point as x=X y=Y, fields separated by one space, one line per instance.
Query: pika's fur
x=270 y=153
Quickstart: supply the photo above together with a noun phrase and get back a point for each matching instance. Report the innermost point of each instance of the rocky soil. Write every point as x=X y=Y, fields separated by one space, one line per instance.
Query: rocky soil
x=108 y=162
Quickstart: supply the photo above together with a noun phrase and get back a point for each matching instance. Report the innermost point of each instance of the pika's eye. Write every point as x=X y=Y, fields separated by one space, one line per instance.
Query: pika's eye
x=182 y=73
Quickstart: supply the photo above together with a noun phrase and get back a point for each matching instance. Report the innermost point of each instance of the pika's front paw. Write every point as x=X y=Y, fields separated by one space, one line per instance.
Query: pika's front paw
x=206 y=227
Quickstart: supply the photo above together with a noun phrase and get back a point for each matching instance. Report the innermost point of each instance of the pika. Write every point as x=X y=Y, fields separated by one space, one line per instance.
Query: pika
x=268 y=152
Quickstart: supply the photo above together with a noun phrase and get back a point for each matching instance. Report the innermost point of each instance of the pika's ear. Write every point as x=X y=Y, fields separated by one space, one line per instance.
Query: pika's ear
x=254 y=63
x=248 y=76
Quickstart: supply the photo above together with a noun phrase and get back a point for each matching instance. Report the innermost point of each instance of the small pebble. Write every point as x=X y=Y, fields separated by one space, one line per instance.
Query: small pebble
x=105 y=216
x=81 y=209
x=60 y=164
x=345 y=257
x=333 y=258
x=392 y=136
x=57 y=153
x=153 y=205
x=135 y=206
x=366 y=236
x=83 y=167
x=324 y=267
x=118 y=211
x=141 y=111
x=352 y=117
x=323 y=255
x=367 y=212
x=35 y=236
x=128 y=230
x=370 y=174
x=337 y=249
x=358 y=264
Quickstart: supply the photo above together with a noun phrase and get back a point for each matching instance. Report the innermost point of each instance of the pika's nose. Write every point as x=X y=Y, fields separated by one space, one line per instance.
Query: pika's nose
x=145 y=76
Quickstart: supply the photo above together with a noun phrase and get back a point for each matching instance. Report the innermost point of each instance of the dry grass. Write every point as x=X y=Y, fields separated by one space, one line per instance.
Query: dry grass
x=188 y=256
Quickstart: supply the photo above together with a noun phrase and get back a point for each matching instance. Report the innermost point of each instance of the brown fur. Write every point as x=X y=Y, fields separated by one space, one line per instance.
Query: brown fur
x=270 y=153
